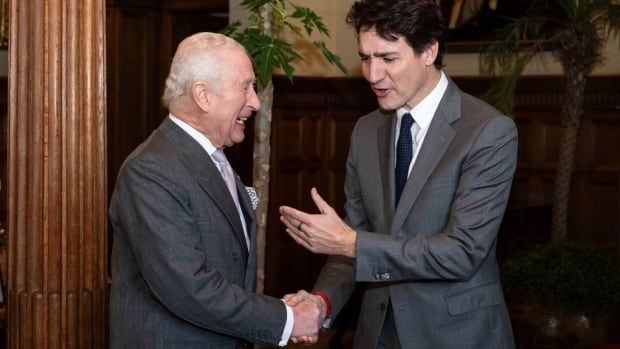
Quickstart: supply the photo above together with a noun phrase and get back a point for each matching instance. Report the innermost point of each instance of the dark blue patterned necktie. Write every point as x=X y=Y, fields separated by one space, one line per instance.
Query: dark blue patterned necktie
x=404 y=154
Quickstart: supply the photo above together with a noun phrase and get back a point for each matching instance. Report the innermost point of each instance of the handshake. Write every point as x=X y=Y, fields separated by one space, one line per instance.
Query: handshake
x=309 y=313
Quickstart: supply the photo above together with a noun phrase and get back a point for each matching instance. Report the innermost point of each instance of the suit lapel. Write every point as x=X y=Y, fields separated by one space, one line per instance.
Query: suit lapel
x=244 y=201
x=385 y=141
x=248 y=213
x=213 y=184
x=436 y=142
x=208 y=176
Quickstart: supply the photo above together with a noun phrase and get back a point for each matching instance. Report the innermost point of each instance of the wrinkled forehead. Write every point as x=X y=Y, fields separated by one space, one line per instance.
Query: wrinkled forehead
x=371 y=42
x=236 y=64
x=383 y=34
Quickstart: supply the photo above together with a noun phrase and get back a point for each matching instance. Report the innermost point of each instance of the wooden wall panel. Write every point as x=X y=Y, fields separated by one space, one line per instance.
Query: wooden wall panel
x=133 y=76
x=312 y=123
x=141 y=39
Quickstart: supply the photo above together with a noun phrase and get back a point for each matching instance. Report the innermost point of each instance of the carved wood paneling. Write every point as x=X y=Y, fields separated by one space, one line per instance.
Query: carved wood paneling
x=141 y=38
x=133 y=77
x=312 y=122
x=57 y=290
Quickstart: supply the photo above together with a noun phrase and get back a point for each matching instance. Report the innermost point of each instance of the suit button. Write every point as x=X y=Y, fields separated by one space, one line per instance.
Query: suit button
x=383 y=306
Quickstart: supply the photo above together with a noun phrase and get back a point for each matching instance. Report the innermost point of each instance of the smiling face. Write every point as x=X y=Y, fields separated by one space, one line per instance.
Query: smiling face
x=232 y=101
x=398 y=76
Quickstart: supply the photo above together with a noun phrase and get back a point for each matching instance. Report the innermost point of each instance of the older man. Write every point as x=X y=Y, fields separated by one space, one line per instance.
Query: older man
x=184 y=254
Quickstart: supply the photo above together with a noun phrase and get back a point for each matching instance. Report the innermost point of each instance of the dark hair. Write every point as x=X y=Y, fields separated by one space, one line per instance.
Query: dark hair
x=419 y=21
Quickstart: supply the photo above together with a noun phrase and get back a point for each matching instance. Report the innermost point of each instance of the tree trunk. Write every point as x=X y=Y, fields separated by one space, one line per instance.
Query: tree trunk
x=262 y=151
x=572 y=111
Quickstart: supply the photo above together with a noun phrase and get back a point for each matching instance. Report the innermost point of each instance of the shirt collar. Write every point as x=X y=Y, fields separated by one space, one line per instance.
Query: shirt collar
x=204 y=142
x=425 y=110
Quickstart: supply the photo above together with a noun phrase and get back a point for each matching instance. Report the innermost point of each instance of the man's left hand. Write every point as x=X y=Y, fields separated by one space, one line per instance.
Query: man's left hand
x=323 y=233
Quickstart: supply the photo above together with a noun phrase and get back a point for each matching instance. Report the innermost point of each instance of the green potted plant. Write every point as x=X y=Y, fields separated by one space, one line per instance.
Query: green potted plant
x=575 y=33
x=562 y=295
x=261 y=37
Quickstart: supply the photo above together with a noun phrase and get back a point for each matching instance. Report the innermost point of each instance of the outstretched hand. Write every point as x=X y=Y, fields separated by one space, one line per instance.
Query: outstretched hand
x=323 y=233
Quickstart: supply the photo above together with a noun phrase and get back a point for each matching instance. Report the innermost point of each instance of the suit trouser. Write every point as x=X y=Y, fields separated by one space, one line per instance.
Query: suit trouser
x=388 y=339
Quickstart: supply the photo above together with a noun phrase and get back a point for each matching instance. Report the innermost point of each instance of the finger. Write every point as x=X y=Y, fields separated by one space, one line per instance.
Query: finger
x=295 y=299
x=288 y=223
x=308 y=340
x=300 y=339
x=299 y=238
x=292 y=229
x=321 y=204
x=288 y=219
x=296 y=214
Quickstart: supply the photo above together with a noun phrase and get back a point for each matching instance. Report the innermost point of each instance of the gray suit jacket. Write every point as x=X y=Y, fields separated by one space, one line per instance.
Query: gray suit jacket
x=433 y=255
x=182 y=276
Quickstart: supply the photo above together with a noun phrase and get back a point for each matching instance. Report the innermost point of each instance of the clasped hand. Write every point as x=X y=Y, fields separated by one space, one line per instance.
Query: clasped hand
x=309 y=314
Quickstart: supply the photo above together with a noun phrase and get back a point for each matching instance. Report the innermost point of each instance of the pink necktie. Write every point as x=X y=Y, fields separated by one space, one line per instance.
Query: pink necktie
x=228 y=175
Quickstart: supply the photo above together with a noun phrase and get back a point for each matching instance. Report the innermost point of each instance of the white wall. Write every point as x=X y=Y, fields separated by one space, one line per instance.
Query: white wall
x=343 y=42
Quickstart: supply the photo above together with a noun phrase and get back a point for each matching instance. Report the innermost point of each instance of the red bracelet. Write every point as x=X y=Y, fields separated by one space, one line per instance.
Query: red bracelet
x=328 y=305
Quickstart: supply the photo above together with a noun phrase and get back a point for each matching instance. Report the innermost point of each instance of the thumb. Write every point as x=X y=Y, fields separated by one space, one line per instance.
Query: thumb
x=321 y=204
x=293 y=300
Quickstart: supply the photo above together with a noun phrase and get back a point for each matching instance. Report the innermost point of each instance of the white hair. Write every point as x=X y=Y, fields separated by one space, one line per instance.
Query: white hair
x=196 y=58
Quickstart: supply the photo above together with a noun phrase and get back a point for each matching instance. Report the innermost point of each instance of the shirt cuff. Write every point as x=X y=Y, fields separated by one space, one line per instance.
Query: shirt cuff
x=288 y=327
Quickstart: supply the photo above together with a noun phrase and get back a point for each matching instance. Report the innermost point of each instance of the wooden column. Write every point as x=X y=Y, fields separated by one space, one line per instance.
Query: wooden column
x=57 y=226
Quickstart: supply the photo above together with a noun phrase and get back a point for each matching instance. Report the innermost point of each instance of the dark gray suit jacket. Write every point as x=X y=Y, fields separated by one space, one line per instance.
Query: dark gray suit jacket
x=434 y=254
x=182 y=276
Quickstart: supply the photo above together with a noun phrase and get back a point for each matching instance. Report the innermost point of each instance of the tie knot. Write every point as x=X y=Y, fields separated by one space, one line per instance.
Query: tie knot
x=219 y=156
x=407 y=121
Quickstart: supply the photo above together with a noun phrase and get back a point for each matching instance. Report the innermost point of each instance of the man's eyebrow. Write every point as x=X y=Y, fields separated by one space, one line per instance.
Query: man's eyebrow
x=378 y=54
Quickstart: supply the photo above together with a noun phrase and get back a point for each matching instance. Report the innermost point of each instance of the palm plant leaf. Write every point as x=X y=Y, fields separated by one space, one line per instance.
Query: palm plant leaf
x=574 y=33
x=330 y=56
x=507 y=54
x=310 y=20
x=267 y=50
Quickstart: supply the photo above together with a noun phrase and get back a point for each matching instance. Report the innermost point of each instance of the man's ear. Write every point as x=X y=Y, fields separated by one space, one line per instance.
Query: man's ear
x=430 y=53
x=200 y=95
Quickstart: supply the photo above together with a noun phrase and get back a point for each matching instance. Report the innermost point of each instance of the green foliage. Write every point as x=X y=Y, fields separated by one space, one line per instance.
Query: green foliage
x=552 y=26
x=267 y=50
x=564 y=277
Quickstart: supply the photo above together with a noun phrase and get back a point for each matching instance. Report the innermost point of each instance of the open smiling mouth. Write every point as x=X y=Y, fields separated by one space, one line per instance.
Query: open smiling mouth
x=242 y=120
x=381 y=92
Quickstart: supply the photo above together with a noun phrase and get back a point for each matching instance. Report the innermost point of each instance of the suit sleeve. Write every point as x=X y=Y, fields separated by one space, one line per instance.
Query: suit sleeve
x=476 y=212
x=155 y=214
